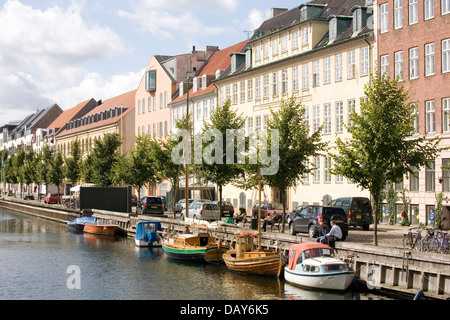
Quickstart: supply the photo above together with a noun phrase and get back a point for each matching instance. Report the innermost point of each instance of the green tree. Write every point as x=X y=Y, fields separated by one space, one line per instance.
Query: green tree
x=56 y=171
x=382 y=147
x=19 y=169
x=72 y=164
x=87 y=169
x=29 y=168
x=438 y=219
x=296 y=146
x=391 y=198
x=104 y=157
x=43 y=161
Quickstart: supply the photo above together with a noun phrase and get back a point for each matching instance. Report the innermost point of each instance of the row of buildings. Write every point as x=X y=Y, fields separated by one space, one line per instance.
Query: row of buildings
x=321 y=53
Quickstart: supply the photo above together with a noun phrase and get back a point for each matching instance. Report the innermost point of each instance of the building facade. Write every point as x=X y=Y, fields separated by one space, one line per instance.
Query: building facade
x=413 y=41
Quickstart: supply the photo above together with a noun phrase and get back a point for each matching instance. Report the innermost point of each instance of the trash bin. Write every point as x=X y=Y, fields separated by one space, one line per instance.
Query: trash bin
x=254 y=224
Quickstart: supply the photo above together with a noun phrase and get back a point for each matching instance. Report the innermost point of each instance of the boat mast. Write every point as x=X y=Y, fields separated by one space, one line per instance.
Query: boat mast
x=259 y=209
x=186 y=153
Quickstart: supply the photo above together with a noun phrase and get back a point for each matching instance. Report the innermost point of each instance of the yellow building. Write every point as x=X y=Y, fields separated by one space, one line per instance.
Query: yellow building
x=321 y=55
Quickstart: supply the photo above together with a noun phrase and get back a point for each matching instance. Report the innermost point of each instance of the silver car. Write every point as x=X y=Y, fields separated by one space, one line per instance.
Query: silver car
x=202 y=210
x=179 y=206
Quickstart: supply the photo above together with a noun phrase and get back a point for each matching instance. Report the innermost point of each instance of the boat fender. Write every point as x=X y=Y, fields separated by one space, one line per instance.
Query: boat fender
x=419 y=294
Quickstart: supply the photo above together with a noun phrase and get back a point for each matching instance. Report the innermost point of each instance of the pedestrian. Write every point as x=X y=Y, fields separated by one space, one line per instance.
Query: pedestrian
x=323 y=230
x=334 y=235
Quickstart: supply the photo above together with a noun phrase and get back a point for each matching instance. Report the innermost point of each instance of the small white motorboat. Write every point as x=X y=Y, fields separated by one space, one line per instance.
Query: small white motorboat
x=311 y=265
x=147 y=234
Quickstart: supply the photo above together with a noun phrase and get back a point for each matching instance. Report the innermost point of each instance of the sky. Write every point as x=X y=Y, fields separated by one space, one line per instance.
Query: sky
x=69 y=51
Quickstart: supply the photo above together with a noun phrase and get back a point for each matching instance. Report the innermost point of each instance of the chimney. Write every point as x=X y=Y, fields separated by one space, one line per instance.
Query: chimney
x=277 y=11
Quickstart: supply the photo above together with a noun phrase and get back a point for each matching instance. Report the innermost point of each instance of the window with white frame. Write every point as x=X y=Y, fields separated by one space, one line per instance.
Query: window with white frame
x=384 y=18
x=415 y=116
x=305 y=176
x=338 y=67
x=294 y=40
x=445 y=6
x=284 y=43
x=249 y=125
x=295 y=79
x=351 y=105
x=316 y=75
x=316 y=170
x=398 y=14
x=428 y=9
x=266 y=49
x=332 y=25
x=445 y=55
x=351 y=64
x=413 y=63
x=284 y=81
x=316 y=118
x=364 y=61
x=149 y=104
x=266 y=86
x=257 y=88
x=357 y=20
x=413 y=14
x=429 y=59
x=305 y=76
x=327 y=118
x=275 y=84
x=446 y=115
x=430 y=116
x=250 y=89
x=339 y=117
x=305 y=36
x=257 y=124
x=205 y=109
x=227 y=93
x=161 y=100
x=266 y=120
x=235 y=93
x=327 y=70
x=326 y=169
x=398 y=67
x=306 y=116
x=242 y=95
x=258 y=52
x=275 y=46
x=384 y=65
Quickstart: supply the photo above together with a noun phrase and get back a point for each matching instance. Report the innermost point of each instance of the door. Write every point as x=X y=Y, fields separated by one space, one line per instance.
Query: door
x=301 y=222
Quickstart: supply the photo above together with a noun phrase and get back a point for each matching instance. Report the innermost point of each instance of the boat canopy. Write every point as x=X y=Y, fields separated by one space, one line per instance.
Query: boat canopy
x=146 y=230
x=296 y=250
x=82 y=221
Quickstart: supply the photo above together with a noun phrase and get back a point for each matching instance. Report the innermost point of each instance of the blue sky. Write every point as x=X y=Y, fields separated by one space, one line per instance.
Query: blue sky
x=69 y=51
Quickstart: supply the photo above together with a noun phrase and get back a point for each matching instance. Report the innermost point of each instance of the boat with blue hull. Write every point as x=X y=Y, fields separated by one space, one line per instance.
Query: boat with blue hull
x=148 y=234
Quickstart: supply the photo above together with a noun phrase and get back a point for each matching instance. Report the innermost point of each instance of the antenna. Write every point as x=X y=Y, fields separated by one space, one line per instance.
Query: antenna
x=248 y=33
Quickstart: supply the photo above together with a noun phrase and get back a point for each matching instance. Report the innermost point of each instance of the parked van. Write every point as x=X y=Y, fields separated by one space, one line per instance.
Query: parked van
x=202 y=210
x=358 y=209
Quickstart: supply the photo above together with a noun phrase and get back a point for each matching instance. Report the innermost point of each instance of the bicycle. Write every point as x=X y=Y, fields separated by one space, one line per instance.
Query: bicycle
x=440 y=242
x=413 y=240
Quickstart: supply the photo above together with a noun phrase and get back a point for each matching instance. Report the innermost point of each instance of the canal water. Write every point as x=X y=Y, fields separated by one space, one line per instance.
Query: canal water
x=44 y=260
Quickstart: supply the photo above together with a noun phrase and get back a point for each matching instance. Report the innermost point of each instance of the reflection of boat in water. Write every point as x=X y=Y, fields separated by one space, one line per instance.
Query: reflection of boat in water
x=294 y=292
x=199 y=246
x=147 y=234
x=243 y=258
x=311 y=265
x=79 y=223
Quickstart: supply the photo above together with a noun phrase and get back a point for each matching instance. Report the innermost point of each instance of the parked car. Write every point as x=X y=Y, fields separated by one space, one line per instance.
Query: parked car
x=202 y=210
x=307 y=220
x=152 y=205
x=52 y=198
x=133 y=200
x=290 y=216
x=164 y=200
x=358 y=209
x=227 y=208
x=179 y=206
x=267 y=208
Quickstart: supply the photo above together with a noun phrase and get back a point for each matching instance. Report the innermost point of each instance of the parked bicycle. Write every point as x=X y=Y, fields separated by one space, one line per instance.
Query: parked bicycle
x=440 y=242
x=413 y=239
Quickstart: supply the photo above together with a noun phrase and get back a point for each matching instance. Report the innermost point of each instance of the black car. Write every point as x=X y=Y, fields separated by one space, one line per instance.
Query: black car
x=154 y=205
x=307 y=220
x=290 y=216
x=227 y=208
x=358 y=209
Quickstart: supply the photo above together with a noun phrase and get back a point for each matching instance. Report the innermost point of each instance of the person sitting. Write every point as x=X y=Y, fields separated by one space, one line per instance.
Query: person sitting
x=241 y=216
x=334 y=235
x=268 y=220
x=323 y=230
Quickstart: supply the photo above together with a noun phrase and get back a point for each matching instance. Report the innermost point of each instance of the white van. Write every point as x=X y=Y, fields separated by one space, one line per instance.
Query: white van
x=203 y=210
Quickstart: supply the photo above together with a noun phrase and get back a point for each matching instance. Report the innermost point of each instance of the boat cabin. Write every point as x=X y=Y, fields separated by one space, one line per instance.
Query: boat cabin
x=244 y=243
x=192 y=239
x=303 y=251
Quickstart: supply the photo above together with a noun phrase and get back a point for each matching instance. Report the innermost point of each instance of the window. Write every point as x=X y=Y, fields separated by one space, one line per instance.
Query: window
x=257 y=124
x=316 y=118
x=316 y=75
x=413 y=15
x=305 y=76
x=384 y=18
x=250 y=125
x=295 y=40
x=430 y=118
x=446 y=115
x=250 y=89
x=415 y=116
x=326 y=170
x=149 y=104
x=284 y=43
x=384 y=66
x=338 y=67
x=339 y=117
x=429 y=9
x=161 y=100
x=445 y=6
x=332 y=29
x=266 y=49
x=414 y=180
x=305 y=38
x=316 y=169
x=284 y=81
x=446 y=55
x=445 y=175
x=430 y=176
x=275 y=84
x=413 y=63
x=429 y=59
x=398 y=56
x=398 y=14
x=351 y=64
x=351 y=108
x=357 y=21
x=257 y=88
x=327 y=118
x=235 y=93
x=364 y=61
x=306 y=116
x=150 y=80
x=295 y=78
x=275 y=46
x=327 y=70
x=266 y=86
x=258 y=53
x=242 y=95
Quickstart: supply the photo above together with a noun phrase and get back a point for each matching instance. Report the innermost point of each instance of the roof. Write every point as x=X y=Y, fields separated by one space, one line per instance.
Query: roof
x=31 y=121
x=296 y=250
x=69 y=114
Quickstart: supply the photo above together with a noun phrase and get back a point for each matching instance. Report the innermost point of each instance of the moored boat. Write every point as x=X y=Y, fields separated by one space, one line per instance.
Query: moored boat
x=244 y=258
x=103 y=228
x=147 y=234
x=311 y=265
x=79 y=223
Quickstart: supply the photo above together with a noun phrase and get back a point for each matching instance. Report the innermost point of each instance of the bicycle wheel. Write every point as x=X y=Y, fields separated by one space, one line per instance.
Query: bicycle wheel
x=407 y=241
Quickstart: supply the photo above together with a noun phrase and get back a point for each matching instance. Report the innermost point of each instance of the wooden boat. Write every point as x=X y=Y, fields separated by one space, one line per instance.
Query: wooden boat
x=193 y=247
x=247 y=260
x=103 y=229
x=79 y=223
x=244 y=258
x=147 y=234
x=311 y=265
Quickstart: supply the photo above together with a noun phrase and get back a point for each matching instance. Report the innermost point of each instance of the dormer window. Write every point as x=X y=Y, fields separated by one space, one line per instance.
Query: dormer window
x=303 y=13
x=150 y=80
x=181 y=89
x=233 y=63
x=248 y=59
x=194 y=85
x=332 y=29
x=218 y=73
x=204 y=82
x=357 y=20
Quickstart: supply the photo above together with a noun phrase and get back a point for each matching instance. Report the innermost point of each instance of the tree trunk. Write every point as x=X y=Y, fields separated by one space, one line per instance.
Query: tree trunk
x=283 y=202
x=220 y=201
x=376 y=203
